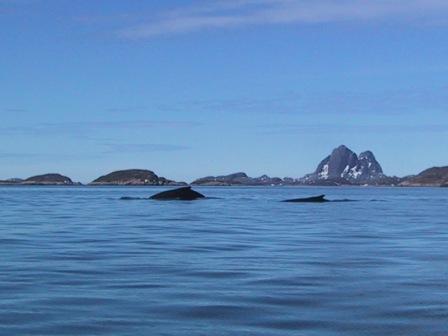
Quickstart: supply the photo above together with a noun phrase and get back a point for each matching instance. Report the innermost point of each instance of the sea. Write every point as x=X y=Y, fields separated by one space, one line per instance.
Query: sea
x=81 y=261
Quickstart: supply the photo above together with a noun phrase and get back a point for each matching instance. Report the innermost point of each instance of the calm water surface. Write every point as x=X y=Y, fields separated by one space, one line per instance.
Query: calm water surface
x=79 y=261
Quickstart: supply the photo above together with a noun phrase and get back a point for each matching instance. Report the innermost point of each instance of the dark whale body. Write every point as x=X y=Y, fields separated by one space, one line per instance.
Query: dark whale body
x=180 y=194
x=315 y=199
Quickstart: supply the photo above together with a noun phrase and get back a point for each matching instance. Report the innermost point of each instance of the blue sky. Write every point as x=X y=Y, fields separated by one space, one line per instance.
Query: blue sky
x=193 y=88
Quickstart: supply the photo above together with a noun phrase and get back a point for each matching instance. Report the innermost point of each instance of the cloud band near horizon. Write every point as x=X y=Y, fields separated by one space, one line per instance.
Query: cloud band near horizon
x=242 y=13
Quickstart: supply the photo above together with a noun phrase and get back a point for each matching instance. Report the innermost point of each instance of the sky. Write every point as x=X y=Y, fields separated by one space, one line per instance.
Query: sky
x=195 y=88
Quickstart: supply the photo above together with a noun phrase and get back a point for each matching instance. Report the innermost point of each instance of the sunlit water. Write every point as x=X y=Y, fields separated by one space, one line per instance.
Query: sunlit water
x=79 y=261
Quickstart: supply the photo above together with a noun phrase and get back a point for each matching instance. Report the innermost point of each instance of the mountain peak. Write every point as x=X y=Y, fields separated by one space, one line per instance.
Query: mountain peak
x=341 y=160
x=367 y=154
x=346 y=166
x=342 y=148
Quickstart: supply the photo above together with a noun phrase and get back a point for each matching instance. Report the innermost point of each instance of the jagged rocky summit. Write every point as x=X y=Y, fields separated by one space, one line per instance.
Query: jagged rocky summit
x=135 y=177
x=343 y=166
x=238 y=179
x=432 y=177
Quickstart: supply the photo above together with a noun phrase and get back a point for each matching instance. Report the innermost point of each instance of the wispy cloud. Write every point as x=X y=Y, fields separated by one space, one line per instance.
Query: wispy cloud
x=100 y=150
x=15 y=110
x=9 y=6
x=327 y=102
x=85 y=128
x=239 y=13
x=127 y=109
x=16 y=2
x=324 y=129
x=143 y=148
x=38 y=156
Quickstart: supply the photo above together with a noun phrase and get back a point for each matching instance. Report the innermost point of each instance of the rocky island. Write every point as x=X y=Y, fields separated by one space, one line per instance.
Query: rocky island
x=136 y=177
x=11 y=181
x=48 y=179
x=237 y=179
x=432 y=177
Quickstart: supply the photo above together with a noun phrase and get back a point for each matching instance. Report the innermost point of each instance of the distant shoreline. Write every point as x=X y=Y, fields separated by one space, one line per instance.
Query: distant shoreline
x=3 y=185
x=341 y=168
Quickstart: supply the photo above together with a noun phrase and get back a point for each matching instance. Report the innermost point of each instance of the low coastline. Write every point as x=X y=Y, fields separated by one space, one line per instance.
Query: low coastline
x=342 y=167
x=90 y=186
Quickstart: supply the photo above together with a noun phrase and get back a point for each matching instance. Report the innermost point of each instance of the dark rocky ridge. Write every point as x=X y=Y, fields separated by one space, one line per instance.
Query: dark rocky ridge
x=48 y=179
x=240 y=179
x=11 y=181
x=432 y=177
x=134 y=177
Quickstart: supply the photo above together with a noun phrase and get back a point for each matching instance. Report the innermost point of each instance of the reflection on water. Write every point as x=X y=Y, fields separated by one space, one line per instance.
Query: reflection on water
x=79 y=261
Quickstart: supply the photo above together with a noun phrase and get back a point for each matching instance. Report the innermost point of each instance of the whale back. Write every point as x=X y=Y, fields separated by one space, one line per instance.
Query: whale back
x=181 y=194
x=314 y=199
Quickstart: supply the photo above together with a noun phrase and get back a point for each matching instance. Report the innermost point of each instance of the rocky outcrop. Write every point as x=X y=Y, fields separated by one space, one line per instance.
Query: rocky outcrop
x=223 y=180
x=239 y=179
x=48 y=179
x=11 y=181
x=433 y=177
x=344 y=166
x=134 y=177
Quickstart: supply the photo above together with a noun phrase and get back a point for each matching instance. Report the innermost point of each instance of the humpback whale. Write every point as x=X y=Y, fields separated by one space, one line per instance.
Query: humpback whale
x=180 y=194
x=314 y=199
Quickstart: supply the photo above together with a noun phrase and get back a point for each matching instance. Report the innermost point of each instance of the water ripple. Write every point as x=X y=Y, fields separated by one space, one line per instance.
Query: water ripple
x=78 y=261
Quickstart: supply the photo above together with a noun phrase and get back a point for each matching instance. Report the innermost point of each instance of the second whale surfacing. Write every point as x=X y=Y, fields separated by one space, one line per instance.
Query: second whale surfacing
x=179 y=194
x=314 y=199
